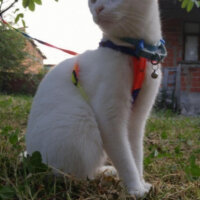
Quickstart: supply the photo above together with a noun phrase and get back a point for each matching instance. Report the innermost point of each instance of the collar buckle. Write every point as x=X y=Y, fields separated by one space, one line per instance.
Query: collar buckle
x=154 y=53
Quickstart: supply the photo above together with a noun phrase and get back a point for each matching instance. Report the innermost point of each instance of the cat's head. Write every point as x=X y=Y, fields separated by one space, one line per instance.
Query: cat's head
x=127 y=18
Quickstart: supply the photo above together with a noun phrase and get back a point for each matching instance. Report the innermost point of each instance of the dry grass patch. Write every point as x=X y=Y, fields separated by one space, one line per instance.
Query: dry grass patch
x=172 y=161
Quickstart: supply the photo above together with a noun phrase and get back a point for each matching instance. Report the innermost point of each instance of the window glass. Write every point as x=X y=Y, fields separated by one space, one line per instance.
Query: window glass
x=191 y=48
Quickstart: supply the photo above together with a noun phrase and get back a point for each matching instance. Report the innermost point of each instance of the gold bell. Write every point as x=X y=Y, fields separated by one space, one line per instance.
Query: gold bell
x=154 y=74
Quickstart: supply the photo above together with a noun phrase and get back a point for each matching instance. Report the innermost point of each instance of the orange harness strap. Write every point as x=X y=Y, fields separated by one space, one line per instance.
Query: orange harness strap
x=139 y=69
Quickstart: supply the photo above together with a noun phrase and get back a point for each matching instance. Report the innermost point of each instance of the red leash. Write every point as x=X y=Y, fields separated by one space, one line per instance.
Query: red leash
x=40 y=41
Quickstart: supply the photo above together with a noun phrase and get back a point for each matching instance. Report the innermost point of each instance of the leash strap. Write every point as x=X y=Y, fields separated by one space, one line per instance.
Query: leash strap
x=37 y=40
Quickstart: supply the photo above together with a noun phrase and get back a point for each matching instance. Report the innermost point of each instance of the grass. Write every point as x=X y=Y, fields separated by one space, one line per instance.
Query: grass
x=172 y=161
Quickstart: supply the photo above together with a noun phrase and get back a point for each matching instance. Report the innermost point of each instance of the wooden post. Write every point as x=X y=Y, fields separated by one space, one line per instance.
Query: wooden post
x=178 y=87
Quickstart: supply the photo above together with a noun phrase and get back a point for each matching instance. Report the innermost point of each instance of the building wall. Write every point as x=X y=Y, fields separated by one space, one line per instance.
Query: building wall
x=181 y=80
x=190 y=89
x=35 y=58
x=190 y=79
x=172 y=33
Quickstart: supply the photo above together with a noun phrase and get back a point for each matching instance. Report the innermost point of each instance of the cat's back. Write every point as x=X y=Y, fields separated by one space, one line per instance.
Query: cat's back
x=57 y=85
x=58 y=99
x=96 y=67
x=58 y=111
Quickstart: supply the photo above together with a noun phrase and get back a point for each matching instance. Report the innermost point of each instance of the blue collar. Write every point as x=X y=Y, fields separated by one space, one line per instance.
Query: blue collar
x=126 y=50
x=154 y=53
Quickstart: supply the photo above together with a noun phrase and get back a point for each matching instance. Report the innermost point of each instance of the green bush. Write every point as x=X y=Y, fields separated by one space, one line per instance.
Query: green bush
x=18 y=83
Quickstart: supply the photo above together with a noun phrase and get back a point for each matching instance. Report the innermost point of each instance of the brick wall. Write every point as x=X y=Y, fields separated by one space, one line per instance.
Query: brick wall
x=196 y=80
x=181 y=79
x=35 y=58
x=172 y=33
x=190 y=78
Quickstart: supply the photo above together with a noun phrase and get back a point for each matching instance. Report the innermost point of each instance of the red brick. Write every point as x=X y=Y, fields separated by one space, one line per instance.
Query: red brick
x=195 y=90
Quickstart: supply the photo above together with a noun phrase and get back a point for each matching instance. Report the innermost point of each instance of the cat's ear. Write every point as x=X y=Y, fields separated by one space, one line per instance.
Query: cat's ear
x=93 y=1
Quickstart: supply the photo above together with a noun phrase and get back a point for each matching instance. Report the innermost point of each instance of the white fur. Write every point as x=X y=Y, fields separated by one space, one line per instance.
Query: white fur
x=73 y=135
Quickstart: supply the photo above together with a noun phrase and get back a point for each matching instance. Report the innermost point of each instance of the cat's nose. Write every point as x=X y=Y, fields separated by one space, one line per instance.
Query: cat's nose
x=99 y=9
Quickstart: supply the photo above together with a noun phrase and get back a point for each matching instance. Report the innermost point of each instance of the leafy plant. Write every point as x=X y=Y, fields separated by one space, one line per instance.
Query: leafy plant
x=189 y=4
x=6 y=193
x=12 y=51
x=193 y=170
x=29 y=4
x=33 y=163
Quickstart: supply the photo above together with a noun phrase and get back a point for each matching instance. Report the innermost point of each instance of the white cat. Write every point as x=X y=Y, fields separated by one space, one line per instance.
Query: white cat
x=75 y=136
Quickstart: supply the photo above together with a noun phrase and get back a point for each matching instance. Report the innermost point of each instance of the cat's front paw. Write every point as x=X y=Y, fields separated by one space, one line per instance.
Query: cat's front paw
x=146 y=185
x=139 y=192
x=107 y=171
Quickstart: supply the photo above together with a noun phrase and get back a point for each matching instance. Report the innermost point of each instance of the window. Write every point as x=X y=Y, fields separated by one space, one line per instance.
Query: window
x=192 y=41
